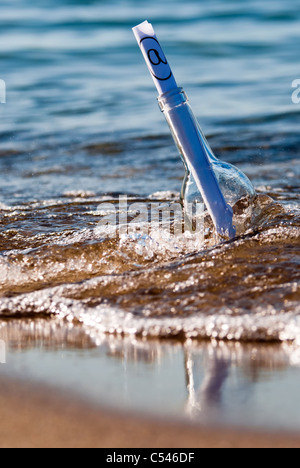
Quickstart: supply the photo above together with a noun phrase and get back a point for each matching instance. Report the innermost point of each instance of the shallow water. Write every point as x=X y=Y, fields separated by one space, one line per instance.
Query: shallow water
x=75 y=138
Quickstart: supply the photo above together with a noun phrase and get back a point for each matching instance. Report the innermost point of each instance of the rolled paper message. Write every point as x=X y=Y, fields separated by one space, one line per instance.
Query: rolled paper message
x=155 y=58
x=185 y=129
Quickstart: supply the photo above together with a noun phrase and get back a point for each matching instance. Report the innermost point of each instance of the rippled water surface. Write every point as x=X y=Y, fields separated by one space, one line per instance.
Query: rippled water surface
x=80 y=129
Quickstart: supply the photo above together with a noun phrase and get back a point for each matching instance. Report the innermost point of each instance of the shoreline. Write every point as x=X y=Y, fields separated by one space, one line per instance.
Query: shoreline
x=36 y=416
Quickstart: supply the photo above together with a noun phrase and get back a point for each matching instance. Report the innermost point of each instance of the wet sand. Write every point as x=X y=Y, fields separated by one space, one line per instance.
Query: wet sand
x=40 y=417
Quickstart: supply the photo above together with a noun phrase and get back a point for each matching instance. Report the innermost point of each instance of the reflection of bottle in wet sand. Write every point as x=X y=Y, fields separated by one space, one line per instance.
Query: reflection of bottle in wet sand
x=2 y=352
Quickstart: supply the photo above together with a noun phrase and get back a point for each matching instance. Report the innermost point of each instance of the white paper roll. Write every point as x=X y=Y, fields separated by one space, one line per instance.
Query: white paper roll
x=155 y=58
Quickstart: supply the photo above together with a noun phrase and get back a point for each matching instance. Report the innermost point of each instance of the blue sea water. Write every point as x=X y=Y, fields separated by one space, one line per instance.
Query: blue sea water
x=75 y=77
x=81 y=125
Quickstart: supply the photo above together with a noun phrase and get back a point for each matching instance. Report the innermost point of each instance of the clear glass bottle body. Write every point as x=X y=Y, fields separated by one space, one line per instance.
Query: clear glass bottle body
x=237 y=189
x=235 y=186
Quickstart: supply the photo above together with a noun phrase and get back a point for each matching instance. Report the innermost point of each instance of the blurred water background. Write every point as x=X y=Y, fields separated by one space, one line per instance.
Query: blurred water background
x=75 y=78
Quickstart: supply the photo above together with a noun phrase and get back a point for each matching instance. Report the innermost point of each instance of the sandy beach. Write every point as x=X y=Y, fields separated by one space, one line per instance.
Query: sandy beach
x=39 y=417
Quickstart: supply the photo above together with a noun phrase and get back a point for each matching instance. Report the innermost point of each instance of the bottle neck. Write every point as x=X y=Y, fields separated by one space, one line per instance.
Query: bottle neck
x=174 y=98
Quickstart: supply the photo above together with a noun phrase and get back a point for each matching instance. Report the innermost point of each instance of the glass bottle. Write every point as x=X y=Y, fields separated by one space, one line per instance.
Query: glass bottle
x=235 y=186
